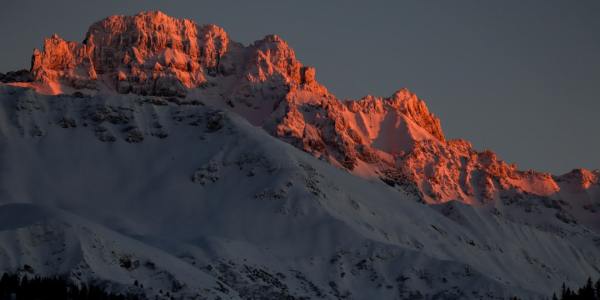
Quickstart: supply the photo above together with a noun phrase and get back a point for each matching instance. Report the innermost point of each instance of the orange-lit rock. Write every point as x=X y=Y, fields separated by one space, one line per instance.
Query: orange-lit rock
x=147 y=53
x=580 y=179
x=63 y=61
x=396 y=139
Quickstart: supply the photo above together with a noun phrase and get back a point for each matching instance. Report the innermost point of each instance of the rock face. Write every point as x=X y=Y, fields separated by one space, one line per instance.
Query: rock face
x=152 y=53
x=580 y=180
x=455 y=171
x=147 y=53
x=396 y=139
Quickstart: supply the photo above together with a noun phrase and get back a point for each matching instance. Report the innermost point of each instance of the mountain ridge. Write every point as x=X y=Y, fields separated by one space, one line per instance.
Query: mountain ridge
x=154 y=54
x=223 y=200
x=205 y=158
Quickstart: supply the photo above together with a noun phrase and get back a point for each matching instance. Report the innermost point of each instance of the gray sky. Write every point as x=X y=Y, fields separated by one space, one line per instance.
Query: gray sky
x=519 y=77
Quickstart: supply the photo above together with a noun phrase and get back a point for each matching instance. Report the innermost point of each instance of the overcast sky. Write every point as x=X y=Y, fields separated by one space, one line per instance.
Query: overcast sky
x=519 y=77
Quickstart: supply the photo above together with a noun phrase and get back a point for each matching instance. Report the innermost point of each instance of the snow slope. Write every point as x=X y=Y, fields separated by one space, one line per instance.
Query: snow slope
x=190 y=199
x=162 y=152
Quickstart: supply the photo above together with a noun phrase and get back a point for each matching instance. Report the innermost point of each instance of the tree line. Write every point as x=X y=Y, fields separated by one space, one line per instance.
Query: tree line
x=589 y=291
x=15 y=287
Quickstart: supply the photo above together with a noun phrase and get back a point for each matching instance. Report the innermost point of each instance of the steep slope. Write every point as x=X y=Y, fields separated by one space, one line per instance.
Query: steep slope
x=157 y=196
x=38 y=240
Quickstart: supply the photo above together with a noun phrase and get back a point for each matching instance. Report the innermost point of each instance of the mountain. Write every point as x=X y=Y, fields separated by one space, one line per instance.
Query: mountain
x=162 y=152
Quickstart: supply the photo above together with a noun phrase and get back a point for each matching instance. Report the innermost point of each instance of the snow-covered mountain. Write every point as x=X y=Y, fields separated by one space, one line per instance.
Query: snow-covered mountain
x=161 y=152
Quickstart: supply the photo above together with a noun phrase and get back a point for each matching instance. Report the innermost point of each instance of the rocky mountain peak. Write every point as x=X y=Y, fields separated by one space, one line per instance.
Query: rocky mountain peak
x=148 y=53
x=153 y=53
x=405 y=102
x=581 y=178
x=273 y=57
x=394 y=138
